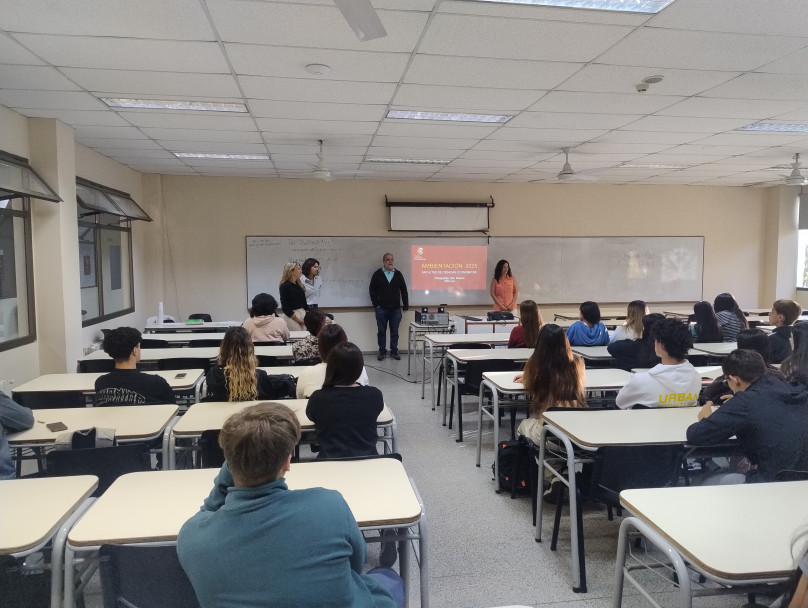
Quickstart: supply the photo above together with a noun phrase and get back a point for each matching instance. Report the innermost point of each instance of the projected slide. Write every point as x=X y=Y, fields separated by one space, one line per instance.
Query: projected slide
x=454 y=268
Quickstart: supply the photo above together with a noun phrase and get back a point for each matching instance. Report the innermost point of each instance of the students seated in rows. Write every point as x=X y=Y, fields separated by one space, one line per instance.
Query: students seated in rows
x=306 y=349
x=525 y=334
x=264 y=325
x=795 y=368
x=706 y=327
x=13 y=417
x=235 y=377
x=256 y=543
x=748 y=339
x=126 y=385
x=631 y=329
x=730 y=316
x=767 y=415
x=553 y=376
x=783 y=315
x=629 y=354
x=311 y=378
x=589 y=331
x=672 y=383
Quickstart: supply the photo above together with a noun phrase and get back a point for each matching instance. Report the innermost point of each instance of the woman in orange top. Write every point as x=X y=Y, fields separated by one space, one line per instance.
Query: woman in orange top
x=504 y=288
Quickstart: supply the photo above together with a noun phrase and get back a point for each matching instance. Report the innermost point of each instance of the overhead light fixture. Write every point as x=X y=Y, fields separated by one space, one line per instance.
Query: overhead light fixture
x=362 y=18
x=221 y=156
x=409 y=161
x=652 y=166
x=629 y=6
x=450 y=116
x=775 y=127
x=318 y=69
x=167 y=104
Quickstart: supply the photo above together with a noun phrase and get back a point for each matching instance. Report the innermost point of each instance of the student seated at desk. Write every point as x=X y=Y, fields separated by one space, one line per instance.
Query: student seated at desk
x=706 y=328
x=730 y=316
x=526 y=333
x=631 y=329
x=264 y=325
x=235 y=376
x=795 y=368
x=767 y=415
x=629 y=354
x=783 y=315
x=13 y=417
x=589 y=331
x=255 y=543
x=553 y=376
x=311 y=378
x=126 y=385
x=306 y=349
x=672 y=383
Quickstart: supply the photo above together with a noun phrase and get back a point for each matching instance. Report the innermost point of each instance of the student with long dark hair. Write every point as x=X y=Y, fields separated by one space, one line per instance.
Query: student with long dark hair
x=312 y=377
x=706 y=328
x=589 y=331
x=730 y=316
x=504 y=288
x=795 y=368
x=526 y=333
x=553 y=376
x=630 y=354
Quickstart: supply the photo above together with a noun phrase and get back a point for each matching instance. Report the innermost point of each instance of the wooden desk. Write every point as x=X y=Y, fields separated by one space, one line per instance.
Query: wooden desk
x=34 y=511
x=717 y=531
x=207 y=352
x=501 y=383
x=210 y=416
x=85 y=383
x=168 y=328
x=716 y=349
x=442 y=341
x=591 y=430
x=506 y=325
x=131 y=423
x=150 y=507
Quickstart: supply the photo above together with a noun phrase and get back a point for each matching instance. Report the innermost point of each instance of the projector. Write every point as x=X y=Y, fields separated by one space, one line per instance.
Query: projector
x=424 y=317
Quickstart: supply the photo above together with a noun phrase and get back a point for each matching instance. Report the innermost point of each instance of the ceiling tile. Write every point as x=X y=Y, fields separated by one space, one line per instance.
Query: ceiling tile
x=13 y=52
x=48 y=100
x=678 y=124
x=158 y=85
x=210 y=147
x=431 y=128
x=600 y=78
x=646 y=137
x=573 y=136
x=570 y=120
x=191 y=135
x=305 y=89
x=795 y=63
x=34 y=78
x=424 y=142
x=106 y=117
x=603 y=103
x=433 y=97
x=764 y=86
x=218 y=121
x=111 y=142
x=712 y=107
x=315 y=128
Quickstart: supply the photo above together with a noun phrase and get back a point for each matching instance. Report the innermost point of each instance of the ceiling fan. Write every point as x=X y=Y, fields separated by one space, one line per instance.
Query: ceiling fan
x=320 y=171
x=795 y=178
x=362 y=18
x=567 y=173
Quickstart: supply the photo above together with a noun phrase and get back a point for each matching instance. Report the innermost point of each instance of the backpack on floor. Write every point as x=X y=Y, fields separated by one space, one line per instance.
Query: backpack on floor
x=514 y=467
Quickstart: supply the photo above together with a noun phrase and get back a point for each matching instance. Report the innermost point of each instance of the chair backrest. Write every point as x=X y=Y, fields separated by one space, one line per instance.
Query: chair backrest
x=50 y=399
x=472 y=346
x=791 y=475
x=144 y=577
x=311 y=361
x=210 y=451
x=184 y=363
x=475 y=369
x=268 y=361
x=394 y=455
x=20 y=588
x=265 y=343
x=205 y=343
x=642 y=466
x=201 y=316
x=96 y=366
x=153 y=343
x=105 y=463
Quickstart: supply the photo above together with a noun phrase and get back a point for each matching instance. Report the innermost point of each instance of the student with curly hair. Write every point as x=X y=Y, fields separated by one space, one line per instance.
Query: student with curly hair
x=235 y=377
x=672 y=383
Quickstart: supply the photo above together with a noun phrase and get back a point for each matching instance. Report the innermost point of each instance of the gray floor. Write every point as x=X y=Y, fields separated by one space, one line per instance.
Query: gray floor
x=481 y=547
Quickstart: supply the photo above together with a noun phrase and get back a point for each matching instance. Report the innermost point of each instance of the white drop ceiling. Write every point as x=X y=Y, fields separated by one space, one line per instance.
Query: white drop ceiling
x=568 y=76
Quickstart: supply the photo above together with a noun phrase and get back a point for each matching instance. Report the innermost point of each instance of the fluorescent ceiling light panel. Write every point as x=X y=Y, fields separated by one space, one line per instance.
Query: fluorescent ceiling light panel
x=652 y=166
x=775 y=127
x=410 y=161
x=166 y=104
x=450 y=116
x=221 y=156
x=630 y=6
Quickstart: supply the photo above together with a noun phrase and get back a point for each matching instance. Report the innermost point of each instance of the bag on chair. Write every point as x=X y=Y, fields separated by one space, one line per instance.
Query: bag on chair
x=514 y=467
x=94 y=437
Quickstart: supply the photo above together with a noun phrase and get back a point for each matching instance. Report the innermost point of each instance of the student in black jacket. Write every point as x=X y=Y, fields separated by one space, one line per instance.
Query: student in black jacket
x=388 y=293
x=769 y=417
x=783 y=315
x=629 y=354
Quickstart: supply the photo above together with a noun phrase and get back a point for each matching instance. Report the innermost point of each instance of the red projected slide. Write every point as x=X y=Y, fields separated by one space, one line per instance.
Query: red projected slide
x=458 y=267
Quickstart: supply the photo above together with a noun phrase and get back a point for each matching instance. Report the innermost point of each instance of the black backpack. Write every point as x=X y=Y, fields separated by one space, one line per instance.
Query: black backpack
x=514 y=467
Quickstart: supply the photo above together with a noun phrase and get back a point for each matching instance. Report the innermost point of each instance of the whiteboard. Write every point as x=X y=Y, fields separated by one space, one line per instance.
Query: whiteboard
x=550 y=270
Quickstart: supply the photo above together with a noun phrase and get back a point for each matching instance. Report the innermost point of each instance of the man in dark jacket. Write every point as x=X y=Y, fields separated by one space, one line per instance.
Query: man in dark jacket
x=388 y=292
x=768 y=415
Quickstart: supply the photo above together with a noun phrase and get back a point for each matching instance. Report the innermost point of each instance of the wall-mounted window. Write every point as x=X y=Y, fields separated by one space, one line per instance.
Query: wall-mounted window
x=18 y=183
x=105 y=251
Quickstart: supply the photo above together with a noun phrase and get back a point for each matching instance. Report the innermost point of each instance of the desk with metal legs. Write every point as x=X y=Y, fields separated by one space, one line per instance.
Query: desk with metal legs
x=416 y=334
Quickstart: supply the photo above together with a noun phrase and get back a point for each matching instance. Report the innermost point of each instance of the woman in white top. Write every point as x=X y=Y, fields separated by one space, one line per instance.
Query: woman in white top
x=312 y=282
x=631 y=329
x=311 y=378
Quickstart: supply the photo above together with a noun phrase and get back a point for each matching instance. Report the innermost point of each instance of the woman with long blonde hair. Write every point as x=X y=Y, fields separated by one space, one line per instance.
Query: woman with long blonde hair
x=235 y=377
x=293 y=296
x=553 y=376
x=631 y=329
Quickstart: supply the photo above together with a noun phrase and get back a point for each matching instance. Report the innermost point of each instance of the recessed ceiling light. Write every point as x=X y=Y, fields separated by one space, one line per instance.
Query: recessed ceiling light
x=411 y=161
x=318 y=69
x=652 y=79
x=775 y=127
x=652 y=166
x=631 y=6
x=222 y=156
x=165 y=104
x=450 y=116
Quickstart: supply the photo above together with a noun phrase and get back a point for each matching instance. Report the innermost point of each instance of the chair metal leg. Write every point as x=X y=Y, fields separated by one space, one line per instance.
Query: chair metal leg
x=559 y=496
x=451 y=407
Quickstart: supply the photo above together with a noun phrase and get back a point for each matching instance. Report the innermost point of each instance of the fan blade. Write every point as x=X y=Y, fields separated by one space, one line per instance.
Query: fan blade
x=362 y=18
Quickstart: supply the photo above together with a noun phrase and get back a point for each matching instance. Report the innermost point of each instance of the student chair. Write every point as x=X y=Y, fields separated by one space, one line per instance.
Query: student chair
x=21 y=586
x=144 y=577
x=96 y=366
x=105 y=463
x=50 y=399
x=153 y=343
x=443 y=370
x=205 y=343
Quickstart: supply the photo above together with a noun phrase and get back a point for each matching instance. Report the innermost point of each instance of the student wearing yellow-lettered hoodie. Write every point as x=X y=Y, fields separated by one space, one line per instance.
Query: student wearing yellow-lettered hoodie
x=672 y=383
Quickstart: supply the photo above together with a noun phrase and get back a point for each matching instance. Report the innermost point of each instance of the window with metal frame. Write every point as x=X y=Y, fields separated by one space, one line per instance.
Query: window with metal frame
x=17 y=319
